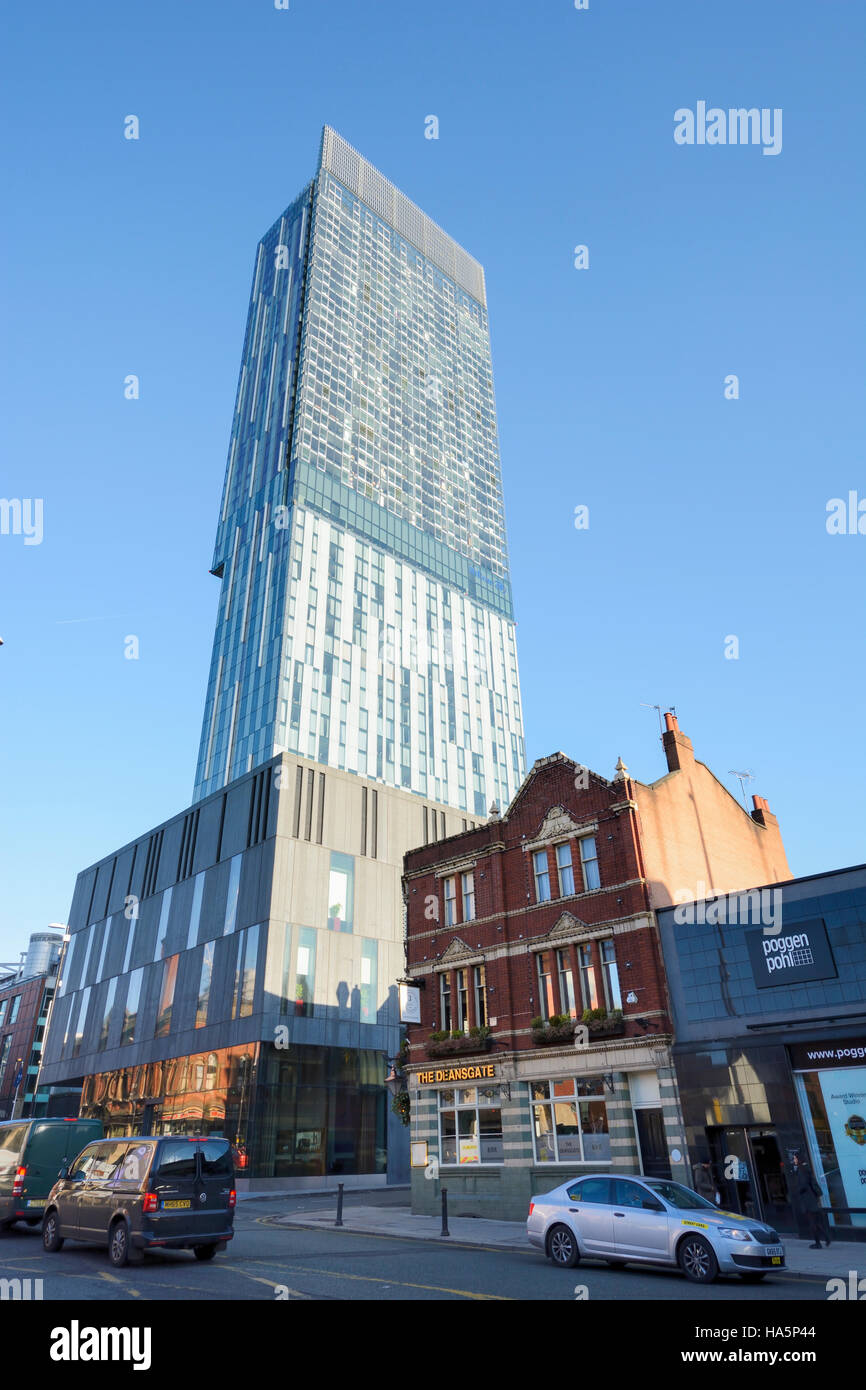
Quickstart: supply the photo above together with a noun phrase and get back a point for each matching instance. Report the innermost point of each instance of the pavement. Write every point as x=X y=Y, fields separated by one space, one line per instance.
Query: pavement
x=398 y=1221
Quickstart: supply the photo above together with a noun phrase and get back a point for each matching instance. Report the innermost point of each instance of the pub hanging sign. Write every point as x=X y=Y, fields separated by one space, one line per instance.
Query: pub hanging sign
x=475 y=1071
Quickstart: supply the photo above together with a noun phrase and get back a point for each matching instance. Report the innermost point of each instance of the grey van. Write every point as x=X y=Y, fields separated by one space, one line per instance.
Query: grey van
x=32 y=1152
x=145 y=1193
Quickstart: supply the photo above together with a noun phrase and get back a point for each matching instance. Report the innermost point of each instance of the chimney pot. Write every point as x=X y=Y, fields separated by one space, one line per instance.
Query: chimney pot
x=671 y=723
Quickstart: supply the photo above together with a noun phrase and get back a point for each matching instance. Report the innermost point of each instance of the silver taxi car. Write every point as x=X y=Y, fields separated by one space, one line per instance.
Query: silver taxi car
x=634 y=1219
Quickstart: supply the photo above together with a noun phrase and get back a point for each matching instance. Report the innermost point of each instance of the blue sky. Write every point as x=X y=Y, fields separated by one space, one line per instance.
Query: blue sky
x=707 y=515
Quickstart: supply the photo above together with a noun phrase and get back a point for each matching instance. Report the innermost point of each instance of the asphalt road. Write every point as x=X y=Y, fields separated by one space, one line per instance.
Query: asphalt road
x=264 y=1258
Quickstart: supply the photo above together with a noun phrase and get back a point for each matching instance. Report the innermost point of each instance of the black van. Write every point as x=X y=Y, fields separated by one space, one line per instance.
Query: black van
x=142 y=1194
x=32 y=1152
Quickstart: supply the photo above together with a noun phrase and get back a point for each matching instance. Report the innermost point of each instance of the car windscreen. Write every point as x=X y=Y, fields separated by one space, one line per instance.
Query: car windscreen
x=680 y=1197
x=216 y=1158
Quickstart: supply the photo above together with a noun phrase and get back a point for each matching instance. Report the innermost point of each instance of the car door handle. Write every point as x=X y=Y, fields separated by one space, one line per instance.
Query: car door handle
x=574 y=1209
x=619 y=1213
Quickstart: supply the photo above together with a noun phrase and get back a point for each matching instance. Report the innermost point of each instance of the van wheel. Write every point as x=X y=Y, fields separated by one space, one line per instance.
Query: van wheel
x=562 y=1247
x=204 y=1252
x=697 y=1260
x=118 y=1244
x=52 y=1240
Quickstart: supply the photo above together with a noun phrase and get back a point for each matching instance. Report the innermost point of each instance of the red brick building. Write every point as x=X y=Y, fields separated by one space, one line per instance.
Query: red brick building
x=540 y=920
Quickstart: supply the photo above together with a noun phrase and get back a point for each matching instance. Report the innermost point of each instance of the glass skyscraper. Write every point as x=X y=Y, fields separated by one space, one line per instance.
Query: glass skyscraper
x=365 y=616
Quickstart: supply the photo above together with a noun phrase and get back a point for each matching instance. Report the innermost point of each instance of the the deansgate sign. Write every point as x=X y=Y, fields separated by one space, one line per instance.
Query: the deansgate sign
x=475 y=1072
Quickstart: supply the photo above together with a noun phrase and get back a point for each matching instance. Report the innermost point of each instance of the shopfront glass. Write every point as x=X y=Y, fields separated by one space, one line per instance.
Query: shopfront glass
x=833 y=1106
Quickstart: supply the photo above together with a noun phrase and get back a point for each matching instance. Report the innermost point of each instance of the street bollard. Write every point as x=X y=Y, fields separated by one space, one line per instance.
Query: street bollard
x=339 y=1220
x=445 y=1231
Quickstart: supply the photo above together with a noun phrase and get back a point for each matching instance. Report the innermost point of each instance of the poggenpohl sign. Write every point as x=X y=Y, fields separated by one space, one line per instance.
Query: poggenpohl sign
x=799 y=953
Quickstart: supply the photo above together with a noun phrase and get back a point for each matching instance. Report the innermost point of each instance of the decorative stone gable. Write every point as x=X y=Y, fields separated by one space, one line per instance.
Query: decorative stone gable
x=558 y=824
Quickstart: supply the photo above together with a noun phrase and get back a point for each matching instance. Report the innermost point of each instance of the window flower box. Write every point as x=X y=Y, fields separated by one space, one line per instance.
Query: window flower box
x=480 y=1041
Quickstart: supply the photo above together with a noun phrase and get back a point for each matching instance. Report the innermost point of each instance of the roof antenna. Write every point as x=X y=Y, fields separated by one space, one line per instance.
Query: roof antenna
x=671 y=710
x=742 y=778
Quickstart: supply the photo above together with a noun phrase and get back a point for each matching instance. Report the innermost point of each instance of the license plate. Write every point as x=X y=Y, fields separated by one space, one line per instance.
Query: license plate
x=175 y=1206
x=775 y=1250
x=32 y=1202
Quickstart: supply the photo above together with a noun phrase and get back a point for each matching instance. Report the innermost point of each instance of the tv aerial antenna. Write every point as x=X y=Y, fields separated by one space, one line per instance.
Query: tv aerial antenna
x=742 y=778
x=670 y=710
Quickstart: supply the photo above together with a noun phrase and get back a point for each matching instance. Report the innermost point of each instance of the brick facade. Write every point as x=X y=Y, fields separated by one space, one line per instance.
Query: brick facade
x=583 y=939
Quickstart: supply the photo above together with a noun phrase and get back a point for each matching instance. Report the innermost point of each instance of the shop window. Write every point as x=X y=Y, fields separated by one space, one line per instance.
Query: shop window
x=569 y=1120
x=565 y=870
x=589 y=862
x=612 y=995
x=542 y=876
x=341 y=893
x=470 y=1126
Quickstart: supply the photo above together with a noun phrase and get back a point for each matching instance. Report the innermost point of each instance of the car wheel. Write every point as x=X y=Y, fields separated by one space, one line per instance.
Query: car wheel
x=204 y=1252
x=118 y=1244
x=754 y=1276
x=562 y=1247
x=52 y=1240
x=697 y=1260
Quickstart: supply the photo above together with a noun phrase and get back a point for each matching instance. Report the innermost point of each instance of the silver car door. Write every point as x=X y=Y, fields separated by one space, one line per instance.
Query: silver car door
x=638 y=1231
x=591 y=1215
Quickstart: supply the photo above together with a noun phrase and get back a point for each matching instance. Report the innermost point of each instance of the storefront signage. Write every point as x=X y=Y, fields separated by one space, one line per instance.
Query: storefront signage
x=798 y=953
x=822 y=1054
x=410 y=1003
x=483 y=1071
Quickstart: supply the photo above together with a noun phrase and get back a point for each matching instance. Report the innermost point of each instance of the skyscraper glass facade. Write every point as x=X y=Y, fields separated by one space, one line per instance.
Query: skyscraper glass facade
x=365 y=616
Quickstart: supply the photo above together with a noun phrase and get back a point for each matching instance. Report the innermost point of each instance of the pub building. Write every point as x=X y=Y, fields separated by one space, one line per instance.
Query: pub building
x=768 y=994
x=538 y=1021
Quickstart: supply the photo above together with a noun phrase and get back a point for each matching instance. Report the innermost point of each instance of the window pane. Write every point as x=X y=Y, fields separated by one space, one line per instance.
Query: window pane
x=341 y=891
x=567 y=1129
x=369 y=980
x=195 y=912
x=589 y=860
x=231 y=916
x=593 y=1123
x=130 y=1012
x=566 y=872
x=166 y=998
x=539 y=1090
x=204 y=984
x=305 y=975
x=162 y=927
x=545 y=1149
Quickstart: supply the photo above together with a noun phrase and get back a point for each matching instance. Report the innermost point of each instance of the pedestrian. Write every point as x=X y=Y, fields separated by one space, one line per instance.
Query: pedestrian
x=809 y=1194
x=704 y=1183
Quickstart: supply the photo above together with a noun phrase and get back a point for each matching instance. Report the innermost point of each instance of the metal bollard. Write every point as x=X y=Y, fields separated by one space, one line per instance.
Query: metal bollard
x=445 y=1231
x=339 y=1220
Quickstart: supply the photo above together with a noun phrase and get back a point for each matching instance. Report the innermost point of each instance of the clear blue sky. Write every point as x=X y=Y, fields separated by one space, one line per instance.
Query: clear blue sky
x=707 y=516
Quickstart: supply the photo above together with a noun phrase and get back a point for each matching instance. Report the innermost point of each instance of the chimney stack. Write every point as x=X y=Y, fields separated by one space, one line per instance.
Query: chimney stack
x=761 y=812
x=678 y=747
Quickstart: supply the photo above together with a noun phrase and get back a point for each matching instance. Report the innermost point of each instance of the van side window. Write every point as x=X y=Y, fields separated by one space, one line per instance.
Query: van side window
x=177 y=1159
x=83 y=1163
x=135 y=1162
